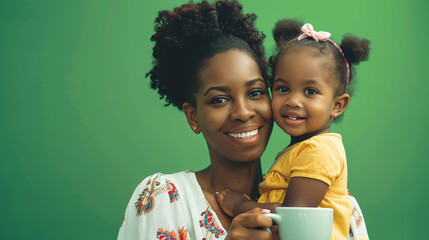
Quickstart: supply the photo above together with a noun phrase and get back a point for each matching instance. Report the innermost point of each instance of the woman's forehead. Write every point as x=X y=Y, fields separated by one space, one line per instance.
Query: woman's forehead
x=230 y=67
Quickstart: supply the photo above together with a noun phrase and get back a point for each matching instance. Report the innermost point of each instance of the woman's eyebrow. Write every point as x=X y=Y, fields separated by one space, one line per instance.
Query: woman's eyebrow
x=226 y=89
x=219 y=88
x=254 y=81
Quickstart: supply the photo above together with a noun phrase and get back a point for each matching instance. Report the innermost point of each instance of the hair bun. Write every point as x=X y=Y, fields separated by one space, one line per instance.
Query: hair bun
x=355 y=49
x=190 y=34
x=286 y=30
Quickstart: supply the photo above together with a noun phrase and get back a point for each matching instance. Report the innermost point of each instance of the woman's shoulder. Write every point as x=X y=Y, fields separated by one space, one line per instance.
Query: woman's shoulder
x=158 y=183
x=158 y=178
x=161 y=201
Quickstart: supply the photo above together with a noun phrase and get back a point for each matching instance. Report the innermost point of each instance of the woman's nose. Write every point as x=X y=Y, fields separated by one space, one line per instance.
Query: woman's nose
x=242 y=111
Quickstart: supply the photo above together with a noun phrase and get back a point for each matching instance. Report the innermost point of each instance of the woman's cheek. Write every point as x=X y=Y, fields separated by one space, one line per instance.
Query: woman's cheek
x=266 y=110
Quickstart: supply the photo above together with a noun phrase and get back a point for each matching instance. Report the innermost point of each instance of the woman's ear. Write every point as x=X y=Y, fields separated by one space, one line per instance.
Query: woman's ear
x=192 y=117
x=340 y=104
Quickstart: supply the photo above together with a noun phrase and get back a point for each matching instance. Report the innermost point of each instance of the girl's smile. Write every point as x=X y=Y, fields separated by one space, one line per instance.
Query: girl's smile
x=293 y=119
x=303 y=92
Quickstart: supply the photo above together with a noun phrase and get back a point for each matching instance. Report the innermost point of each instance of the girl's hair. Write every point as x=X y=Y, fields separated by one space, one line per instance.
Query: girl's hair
x=187 y=37
x=355 y=50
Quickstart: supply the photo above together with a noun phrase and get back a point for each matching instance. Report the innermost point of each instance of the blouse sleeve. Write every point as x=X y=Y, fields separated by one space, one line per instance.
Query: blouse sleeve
x=153 y=212
x=318 y=160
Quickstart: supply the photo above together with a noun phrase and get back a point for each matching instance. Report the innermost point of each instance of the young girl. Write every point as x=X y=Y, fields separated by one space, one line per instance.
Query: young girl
x=310 y=91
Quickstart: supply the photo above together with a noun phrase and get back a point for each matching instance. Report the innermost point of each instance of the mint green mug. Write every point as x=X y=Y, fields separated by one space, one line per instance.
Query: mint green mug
x=303 y=223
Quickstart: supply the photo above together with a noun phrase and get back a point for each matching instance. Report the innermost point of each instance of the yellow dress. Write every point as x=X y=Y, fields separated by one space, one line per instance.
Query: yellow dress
x=321 y=157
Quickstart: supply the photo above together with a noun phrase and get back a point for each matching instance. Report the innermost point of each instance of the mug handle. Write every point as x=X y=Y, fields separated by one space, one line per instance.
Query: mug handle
x=276 y=218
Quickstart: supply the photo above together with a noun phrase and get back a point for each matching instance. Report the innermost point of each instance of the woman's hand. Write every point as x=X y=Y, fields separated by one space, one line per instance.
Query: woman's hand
x=250 y=225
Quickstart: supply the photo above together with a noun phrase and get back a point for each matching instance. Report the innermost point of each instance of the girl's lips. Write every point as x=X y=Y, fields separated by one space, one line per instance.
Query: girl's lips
x=292 y=115
x=292 y=121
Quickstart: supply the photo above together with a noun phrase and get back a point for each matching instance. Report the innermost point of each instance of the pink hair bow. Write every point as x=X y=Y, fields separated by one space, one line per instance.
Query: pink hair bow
x=308 y=31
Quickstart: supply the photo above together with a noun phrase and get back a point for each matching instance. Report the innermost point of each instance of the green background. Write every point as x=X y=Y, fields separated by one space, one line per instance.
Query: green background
x=79 y=126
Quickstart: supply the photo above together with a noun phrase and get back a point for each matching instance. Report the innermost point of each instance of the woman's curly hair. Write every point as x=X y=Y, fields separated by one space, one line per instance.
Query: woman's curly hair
x=188 y=36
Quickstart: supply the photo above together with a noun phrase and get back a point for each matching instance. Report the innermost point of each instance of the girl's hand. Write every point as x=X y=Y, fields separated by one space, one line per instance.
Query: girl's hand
x=230 y=201
x=250 y=225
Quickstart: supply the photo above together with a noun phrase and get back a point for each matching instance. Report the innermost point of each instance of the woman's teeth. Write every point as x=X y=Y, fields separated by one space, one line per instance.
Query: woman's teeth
x=246 y=135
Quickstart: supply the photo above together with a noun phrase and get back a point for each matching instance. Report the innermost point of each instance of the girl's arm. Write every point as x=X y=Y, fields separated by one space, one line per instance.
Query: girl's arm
x=305 y=192
x=301 y=192
x=235 y=203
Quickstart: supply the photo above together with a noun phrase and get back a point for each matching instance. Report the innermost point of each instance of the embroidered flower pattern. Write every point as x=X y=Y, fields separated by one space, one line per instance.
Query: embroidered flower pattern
x=357 y=216
x=171 y=235
x=183 y=234
x=351 y=232
x=165 y=235
x=172 y=191
x=146 y=201
x=209 y=222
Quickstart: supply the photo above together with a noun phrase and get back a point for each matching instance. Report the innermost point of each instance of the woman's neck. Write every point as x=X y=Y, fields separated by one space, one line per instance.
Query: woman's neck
x=241 y=177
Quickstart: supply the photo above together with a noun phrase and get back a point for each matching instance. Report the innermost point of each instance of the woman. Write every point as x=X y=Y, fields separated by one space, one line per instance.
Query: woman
x=209 y=63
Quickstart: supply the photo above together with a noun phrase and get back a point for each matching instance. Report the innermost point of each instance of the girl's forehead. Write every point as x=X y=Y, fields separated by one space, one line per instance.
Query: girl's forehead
x=305 y=63
x=305 y=55
x=299 y=56
x=308 y=50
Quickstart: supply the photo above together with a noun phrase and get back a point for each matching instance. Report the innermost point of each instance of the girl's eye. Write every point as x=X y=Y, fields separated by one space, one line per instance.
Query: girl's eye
x=283 y=89
x=310 y=92
x=218 y=100
x=255 y=93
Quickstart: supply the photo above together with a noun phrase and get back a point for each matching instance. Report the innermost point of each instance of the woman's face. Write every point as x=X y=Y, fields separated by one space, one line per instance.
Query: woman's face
x=233 y=107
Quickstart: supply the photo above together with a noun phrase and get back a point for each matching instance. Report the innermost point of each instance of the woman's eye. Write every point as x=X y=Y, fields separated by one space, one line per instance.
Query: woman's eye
x=255 y=93
x=283 y=89
x=218 y=100
x=310 y=92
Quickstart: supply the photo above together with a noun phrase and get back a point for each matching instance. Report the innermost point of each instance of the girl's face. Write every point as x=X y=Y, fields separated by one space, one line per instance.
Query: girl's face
x=232 y=107
x=303 y=92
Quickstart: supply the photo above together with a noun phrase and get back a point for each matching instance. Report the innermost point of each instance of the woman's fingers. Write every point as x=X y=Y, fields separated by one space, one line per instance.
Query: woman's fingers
x=250 y=225
x=254 y=218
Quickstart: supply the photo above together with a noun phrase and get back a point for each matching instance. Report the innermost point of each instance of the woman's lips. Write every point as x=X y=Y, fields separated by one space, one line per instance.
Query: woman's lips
x=245 y=136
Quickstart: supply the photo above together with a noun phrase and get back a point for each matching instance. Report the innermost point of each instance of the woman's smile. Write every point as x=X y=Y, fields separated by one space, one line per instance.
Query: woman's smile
x=233 y=107
x=244 y=136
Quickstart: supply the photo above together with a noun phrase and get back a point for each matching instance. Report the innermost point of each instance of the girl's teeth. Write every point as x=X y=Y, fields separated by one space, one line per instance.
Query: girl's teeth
x=246 y=135
x=293 y=118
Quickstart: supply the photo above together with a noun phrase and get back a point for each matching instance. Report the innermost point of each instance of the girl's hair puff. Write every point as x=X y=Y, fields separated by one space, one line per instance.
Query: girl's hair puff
x=188 y=36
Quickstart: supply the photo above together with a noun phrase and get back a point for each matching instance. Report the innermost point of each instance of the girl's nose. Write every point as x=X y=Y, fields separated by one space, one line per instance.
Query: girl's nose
x=242 y=111
x=293 y=101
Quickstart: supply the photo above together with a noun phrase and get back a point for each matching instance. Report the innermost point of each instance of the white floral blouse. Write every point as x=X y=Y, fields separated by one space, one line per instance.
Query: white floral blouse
x=173 y=207
x=170 y=207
